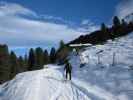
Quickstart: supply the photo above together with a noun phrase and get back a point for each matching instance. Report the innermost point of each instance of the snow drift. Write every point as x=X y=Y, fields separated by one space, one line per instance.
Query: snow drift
x=49 y=84
x=46 y=84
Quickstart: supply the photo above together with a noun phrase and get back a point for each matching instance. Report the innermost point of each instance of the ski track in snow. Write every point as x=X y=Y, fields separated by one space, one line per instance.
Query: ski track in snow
x=90 y=92
x=96 y=91
x=57 y=93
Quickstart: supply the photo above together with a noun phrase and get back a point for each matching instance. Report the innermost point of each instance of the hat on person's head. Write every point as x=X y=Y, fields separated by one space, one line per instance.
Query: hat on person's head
x=66 y=60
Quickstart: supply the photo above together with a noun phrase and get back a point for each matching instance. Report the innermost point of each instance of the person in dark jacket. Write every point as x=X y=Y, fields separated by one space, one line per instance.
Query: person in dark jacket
x=68 y=70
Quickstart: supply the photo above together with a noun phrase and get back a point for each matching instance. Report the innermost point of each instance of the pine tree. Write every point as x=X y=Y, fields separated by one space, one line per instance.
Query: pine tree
x=39 y=58
x=31 y=60
x=103 y=28
x=116 y=27
x=124 y=23
x=53 y=55
x=4 y=64
x=104 y=32
x=26 y=62
x=124 y=28
x=62 y=44
x=21 y=64
x=14 y=64
x=62 y=52
x=46 y=57
x=116 y=21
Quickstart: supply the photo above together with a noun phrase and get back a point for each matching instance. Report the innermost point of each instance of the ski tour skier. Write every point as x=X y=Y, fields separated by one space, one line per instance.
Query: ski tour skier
x=68 y=70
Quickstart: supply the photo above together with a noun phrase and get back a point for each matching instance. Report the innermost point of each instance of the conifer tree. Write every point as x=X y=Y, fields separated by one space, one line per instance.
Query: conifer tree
x=103 y=28
x=21 y=64
x=26 y=62
x=46 y=57
x=116 y=27
x=4 y=64
x=31 y=60
x=13 y=64
x=124 y=23
x=39 y=58
x=116 y=21
x=104 y=32
x=62 y=44
x=53 y=55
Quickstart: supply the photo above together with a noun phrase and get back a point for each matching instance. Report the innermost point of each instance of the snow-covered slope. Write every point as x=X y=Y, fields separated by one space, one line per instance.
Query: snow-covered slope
x=49 y=84
x=115 y=77
x=44 y=84
x=106 y=79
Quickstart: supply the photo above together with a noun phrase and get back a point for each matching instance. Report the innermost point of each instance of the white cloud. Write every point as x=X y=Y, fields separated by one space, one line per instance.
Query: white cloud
x=124 y=8
x=88 y=26
x=14 y=9
x=16 y=30
x=86 y=21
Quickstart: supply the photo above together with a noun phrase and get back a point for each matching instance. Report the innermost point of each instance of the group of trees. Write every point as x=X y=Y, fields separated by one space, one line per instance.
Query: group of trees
x=10 y=64
x=37 y=58
x=119 y=28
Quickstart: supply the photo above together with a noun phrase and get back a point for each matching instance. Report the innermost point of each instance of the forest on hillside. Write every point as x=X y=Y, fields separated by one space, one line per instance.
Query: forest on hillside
x=11 y=64
x=118 y=29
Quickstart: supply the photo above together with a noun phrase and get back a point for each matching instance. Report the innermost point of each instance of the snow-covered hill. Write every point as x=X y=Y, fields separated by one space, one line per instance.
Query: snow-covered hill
x=44 y=84
x=97 y=80
x=114 y=76
x=49 y=84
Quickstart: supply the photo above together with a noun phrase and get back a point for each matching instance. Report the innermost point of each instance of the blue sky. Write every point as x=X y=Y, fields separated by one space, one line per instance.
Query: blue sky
x=73 y=10
x=33 y=23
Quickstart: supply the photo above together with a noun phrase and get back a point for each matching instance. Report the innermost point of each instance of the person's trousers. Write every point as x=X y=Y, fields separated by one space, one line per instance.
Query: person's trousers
x=68 y=75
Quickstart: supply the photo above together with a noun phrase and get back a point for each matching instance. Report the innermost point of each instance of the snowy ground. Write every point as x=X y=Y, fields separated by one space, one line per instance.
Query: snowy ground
x=97 y=80
x=116 y=77
x=49 y=84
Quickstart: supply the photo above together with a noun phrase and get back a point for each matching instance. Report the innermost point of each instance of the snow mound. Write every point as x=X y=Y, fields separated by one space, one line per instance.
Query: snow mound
x=46 y=84
x=49 y=84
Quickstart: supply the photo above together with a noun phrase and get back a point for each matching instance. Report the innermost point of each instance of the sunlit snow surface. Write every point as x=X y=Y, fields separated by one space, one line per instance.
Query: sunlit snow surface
x=94 y=81
x=49 y=84
x=117 y=78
